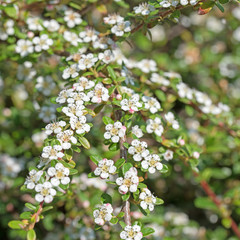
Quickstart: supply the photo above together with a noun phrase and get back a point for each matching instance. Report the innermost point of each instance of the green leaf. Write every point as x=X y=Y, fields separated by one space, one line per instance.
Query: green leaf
x=45 y=209
x=84 y=142
x=126 y=196
x=223 y=1
x=73 y=171
x=205 y=203
x=220 y=7
x=15 y=224
x=30 y=206
x=91 y=175
x=111 y=73
x=105 y=198
x=114 y=220
x=164 y=169
x=113 y=147
x=121 y=214
x=95 y=158
x=31 y=235
x=147 y=231
x=107 y=81
x=159 y=201
x=126 y=167
x=11 y=11
x=111 y=90
x=26 y=215
x=107 y=120
x=123 y=224
x=142 y=185
x=160 y=95
x=99 y=108
x=119 y=162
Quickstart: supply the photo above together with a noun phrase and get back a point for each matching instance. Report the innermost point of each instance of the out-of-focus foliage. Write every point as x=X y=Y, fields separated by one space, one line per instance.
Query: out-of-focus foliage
x=203 y=49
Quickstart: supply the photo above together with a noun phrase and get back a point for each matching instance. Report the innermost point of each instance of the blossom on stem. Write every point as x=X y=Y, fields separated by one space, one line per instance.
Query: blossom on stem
x=103 y=214
x=33 y=178
x=105 y=168
x=131 y=233
x=59 y=174
x=151 y=163
x=138 y=150
x=155 y=126
x=147 y=200
x=129 y=182
x=52 y=152
x=66 y=138
x=151 y=104
x=115 y=131
x=45 y=192
x=132 y=105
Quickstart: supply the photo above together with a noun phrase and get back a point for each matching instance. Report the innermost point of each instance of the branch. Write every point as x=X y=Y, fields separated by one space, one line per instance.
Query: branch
x=123 y=154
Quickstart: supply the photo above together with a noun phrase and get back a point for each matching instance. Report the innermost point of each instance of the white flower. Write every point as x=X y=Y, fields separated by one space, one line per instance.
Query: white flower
x=55 y=127
x=129 y=182
x=78 y=98
x=42 y=43
x=184 y=91
x=99 y=94
x=144 y=9
x=107 y=56
x=147 y=65
x=83 y=84
x=71 y=37
x=45 y=192
x=73 y=110
x=33 y=178
x=79 y=124
x=34 y=24
x=168 y=3
x=105 y=168
x=151 y=163
x=103 y=42
x=66 y=138
x=137 y=131
x=131 y=233
x=132 y=105
x=148 y=200
x=202 y=98
x=63 y=95
x=211 y=109
x=172 y=75
x=26 y=71
x=151 y=103
x=115 y=131
x=120 y=28
x=138 y=150
x=47 y=113
x=72 y=18
x=171 y=120
x=71 y=71
x=168 y=155
x=52 y=152
x=45 y=85
x=156 y=78
x=59 y=174
x=87 y=61
x=127 y=90
x=51 y=25
x=113 y=19
x=103 y=214
x=89 y=35
x=24 y=47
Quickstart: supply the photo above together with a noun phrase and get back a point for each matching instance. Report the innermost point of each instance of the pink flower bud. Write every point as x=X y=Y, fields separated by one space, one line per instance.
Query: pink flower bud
x=181 y=142
x=131 y=110
x=119 y=97
x=196 y=155
x=30 y=34
x=86 y=204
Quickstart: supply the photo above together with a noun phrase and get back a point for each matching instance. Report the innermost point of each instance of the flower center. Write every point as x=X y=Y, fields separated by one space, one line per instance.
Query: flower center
x=127 y=182
x=148 y=199
x=45 y=192
x=59 y=174
x=114 y=131
x=139 y=149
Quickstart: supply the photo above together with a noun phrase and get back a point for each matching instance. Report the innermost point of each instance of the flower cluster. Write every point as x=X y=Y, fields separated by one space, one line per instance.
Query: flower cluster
x=103 y=214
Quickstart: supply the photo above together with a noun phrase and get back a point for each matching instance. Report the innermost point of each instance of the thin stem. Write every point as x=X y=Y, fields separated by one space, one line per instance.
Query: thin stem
x=123 y=154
